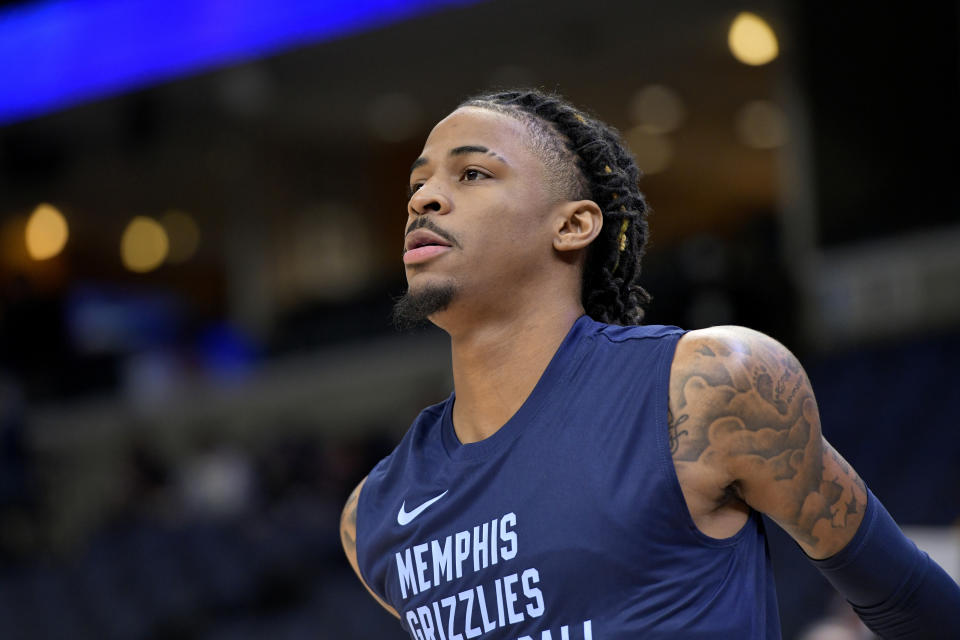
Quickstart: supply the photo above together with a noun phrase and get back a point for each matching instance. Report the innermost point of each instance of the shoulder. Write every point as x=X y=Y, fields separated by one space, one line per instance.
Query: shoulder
x=738 y=391
x=737 y=358
x=728 y=342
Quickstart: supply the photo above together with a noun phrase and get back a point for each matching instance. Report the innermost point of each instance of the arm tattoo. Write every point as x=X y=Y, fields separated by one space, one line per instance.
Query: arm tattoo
x=747 y=407
x=672 y=425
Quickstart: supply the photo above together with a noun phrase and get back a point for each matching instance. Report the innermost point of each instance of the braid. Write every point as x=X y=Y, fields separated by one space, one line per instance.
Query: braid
x=591 y=162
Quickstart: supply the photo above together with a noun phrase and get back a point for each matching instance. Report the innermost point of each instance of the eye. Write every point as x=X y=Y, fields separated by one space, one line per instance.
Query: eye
x=414 y=188
x=472 y=175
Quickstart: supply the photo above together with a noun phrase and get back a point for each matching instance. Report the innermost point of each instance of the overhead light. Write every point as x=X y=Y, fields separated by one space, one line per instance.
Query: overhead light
x=143 y=245
x=752 y=41
x=46 y=232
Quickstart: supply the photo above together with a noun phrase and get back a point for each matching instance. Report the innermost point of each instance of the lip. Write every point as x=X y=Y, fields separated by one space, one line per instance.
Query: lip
x=422 y=237
x=424 y=253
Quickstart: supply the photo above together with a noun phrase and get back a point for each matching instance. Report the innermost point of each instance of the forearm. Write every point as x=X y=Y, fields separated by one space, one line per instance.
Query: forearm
x=895 y=588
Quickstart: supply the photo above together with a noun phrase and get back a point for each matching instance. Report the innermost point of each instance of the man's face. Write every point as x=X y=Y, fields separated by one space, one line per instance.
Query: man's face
x=478 y=220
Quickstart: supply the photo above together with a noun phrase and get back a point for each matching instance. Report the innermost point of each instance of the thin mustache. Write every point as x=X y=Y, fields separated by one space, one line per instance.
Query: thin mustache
x=425 y=223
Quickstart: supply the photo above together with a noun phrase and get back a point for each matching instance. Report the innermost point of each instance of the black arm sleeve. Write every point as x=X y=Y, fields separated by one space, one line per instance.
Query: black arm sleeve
x=895 y=588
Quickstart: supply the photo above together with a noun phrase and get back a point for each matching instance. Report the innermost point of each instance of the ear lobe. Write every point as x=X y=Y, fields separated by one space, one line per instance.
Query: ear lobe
x=578 y=224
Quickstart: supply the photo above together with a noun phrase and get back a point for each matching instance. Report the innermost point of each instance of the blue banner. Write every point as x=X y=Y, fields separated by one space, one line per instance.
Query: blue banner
x=60 y=53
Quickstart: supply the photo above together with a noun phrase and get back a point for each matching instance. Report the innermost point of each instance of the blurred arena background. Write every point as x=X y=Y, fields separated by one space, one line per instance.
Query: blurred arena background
x=201 y=211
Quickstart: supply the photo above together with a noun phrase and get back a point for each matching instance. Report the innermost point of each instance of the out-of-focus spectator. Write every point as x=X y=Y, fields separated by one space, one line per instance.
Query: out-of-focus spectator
x=217 y=482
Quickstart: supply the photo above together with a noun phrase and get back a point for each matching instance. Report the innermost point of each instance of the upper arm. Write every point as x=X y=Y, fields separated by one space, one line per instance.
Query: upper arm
x=749 y=419
x=348 y=537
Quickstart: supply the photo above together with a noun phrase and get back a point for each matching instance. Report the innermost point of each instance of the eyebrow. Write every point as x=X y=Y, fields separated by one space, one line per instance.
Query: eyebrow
x=459 y=151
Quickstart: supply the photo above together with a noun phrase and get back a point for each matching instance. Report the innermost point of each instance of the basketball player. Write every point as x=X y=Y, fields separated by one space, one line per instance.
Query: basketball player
x=592 y=479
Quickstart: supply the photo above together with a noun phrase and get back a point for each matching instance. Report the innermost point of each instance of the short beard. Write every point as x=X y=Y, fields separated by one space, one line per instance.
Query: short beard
x=413 y=309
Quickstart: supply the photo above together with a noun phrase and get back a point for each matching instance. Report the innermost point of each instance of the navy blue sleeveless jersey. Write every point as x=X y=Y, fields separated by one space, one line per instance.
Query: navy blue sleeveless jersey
x=566 y=524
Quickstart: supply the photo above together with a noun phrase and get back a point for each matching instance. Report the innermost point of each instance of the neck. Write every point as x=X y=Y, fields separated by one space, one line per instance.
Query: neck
x=496 y=365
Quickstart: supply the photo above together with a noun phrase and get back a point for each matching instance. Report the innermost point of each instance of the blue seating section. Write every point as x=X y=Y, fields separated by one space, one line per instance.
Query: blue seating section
x=280 y=576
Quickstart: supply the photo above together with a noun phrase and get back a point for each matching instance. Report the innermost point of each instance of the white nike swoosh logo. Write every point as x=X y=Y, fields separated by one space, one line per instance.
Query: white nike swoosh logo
x=405 y=517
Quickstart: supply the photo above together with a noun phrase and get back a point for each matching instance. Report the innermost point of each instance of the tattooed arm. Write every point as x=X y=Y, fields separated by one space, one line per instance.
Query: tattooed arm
x=348 y=536
x=744 y=430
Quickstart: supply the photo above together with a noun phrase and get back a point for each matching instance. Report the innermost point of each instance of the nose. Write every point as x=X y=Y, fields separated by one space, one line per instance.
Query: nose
x=428 y=199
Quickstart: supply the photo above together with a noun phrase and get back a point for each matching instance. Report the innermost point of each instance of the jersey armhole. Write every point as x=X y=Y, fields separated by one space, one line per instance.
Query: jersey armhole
x=678 y=502
x=361 y=564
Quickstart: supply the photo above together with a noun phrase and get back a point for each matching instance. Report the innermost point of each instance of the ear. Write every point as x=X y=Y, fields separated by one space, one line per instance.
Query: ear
x=578 y=223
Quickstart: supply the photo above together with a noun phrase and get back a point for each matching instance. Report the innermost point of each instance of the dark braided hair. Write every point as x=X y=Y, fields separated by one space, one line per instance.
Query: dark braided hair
x=588 y=160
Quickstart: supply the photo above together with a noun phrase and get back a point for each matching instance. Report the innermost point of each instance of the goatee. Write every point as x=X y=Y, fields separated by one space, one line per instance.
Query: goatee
x=413 y=308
